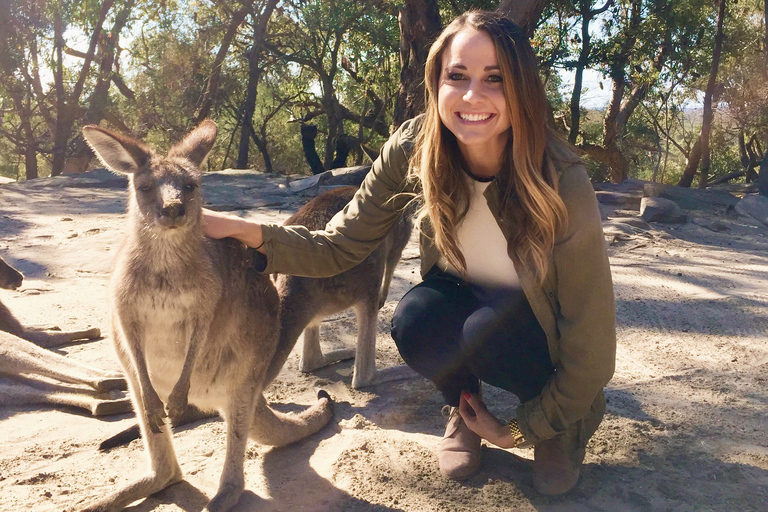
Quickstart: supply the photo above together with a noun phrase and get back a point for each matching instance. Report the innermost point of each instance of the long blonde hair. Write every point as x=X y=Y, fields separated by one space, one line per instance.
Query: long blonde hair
x=528 y=181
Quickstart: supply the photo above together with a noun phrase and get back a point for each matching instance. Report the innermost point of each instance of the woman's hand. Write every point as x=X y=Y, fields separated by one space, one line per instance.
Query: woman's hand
x=480 y=421
x=221 y=225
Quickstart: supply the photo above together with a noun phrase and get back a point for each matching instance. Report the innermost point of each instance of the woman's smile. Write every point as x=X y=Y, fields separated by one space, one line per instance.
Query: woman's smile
x=474 y=118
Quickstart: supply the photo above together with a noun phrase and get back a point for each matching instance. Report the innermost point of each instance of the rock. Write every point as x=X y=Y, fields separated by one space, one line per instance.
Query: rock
x=636 y=222
x=619 y=198
x=710 y=224
x=334 y=178
x=97 y=178
x=304 y=183
x=692 y=198
x=754 y=205
x=658 y=209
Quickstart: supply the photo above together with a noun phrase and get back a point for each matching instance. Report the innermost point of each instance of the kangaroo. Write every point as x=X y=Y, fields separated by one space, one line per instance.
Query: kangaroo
x=192 y=320
x=10 y=279
x=304 y=302
x=21 y=361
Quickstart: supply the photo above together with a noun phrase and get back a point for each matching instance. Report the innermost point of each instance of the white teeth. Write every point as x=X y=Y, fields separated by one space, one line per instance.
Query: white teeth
x=474 y=117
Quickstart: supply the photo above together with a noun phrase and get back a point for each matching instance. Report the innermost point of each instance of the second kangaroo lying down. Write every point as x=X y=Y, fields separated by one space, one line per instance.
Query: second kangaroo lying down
x=21 y=362
x=10 y=279
x=192 y=320
x=305 y=301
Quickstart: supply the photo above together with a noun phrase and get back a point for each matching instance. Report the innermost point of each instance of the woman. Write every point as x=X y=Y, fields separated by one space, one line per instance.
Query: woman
x=517 y=289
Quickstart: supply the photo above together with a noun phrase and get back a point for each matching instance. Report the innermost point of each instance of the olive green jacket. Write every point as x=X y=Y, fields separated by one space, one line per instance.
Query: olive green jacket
x=575 y=305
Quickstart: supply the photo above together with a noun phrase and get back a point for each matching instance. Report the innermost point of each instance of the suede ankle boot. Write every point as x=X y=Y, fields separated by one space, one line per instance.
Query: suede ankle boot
x=459 y=451
x=554 y=472
x=557 y=461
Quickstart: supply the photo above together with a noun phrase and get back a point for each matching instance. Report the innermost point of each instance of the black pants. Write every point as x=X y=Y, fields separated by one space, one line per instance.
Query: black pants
x=456 y=335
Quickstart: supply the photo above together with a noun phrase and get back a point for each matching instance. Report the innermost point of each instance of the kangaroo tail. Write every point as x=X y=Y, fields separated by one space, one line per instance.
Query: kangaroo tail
x=275 y=428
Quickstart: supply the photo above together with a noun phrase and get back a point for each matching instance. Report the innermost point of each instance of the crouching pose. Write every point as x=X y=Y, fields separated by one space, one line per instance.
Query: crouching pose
x=516 y=287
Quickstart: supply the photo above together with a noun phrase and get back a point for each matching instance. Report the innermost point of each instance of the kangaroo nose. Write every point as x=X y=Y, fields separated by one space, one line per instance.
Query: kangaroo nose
x=173 y=210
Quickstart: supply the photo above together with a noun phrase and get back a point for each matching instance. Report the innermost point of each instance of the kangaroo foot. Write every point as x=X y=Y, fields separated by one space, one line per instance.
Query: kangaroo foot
x=145 y=486
x=322 y=360
x=110 y=384
x=400 y=372
x=108 y=407
x=226 y=497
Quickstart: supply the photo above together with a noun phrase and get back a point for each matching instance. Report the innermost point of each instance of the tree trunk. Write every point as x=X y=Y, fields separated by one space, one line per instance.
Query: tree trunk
x=261 y=143
x=525 y=13
x=762 y=180
x=420 y=25
x=706 y=124
x=249 y=105
x=693 y=164
x=212 y=85
x=587 y=15
x=30 y=163
x=573 y=133
x=308 y=134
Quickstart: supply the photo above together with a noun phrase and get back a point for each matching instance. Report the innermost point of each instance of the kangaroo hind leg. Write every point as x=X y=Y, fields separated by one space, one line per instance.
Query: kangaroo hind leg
x=365 y=373
x=238 y=417
x=164 y=469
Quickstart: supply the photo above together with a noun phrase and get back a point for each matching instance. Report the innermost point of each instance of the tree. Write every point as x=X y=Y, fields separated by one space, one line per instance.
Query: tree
x=706 y=124
x=260 y=20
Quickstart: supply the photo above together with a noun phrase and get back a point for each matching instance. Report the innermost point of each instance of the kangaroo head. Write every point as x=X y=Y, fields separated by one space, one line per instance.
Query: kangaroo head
x=10 y=278
x=165 y=190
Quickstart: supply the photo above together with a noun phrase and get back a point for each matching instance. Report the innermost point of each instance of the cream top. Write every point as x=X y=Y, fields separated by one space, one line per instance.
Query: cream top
x=483 y=245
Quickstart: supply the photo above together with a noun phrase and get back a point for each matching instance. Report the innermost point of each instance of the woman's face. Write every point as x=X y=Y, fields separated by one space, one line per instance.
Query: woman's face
x=470 y=98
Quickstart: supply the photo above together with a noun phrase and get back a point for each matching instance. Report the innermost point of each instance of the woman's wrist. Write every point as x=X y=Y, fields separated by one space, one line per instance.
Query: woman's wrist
x=250 y=233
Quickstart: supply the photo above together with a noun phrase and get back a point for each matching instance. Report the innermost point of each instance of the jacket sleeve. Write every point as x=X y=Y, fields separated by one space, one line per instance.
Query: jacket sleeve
x=585 y=351
x=353 y=233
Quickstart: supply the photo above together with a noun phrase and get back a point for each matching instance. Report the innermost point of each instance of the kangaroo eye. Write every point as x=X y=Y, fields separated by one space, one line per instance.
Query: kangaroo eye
x=190 y=187
x=145 y=188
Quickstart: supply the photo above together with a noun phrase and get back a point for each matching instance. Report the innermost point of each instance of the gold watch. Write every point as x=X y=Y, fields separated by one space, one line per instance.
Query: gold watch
x=517 y=434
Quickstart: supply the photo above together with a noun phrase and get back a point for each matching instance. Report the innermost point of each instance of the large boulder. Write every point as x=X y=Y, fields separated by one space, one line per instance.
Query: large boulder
x=707 y=200
x=658 y=209
x=754 y=205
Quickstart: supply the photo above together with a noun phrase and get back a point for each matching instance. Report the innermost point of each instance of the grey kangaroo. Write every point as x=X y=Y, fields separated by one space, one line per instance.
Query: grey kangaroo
x=192 y=321
x=305 y=302
x=21 y=361
x=10 y=279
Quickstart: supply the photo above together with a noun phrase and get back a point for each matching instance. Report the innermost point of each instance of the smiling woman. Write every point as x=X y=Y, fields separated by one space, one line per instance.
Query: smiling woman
x=517 y=289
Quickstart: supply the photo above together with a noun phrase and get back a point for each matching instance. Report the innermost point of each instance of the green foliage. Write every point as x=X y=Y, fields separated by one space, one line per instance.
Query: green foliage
x=324 y=60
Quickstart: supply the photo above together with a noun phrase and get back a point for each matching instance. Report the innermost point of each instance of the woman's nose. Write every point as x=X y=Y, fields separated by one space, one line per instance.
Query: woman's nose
x=473 y=92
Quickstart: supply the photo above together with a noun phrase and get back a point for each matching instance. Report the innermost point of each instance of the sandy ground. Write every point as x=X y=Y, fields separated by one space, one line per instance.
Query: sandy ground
x=687 y=407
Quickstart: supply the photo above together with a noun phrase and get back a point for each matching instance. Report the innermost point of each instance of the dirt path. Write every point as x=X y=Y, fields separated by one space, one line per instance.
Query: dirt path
x=687 y=408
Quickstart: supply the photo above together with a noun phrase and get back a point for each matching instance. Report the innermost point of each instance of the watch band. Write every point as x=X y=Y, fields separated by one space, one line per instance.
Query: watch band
x=517 y=434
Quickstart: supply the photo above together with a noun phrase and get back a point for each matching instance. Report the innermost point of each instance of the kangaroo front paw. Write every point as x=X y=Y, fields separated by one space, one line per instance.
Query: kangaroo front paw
x=155 y=413
x=177 y=403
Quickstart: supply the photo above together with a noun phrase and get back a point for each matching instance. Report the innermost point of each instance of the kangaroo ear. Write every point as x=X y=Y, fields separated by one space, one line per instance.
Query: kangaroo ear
x=197 y=144
x=118 y=153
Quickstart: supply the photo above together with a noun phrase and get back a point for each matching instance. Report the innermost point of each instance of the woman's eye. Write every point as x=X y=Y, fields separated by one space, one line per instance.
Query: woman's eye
x=455 y=76
x=494 y=78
